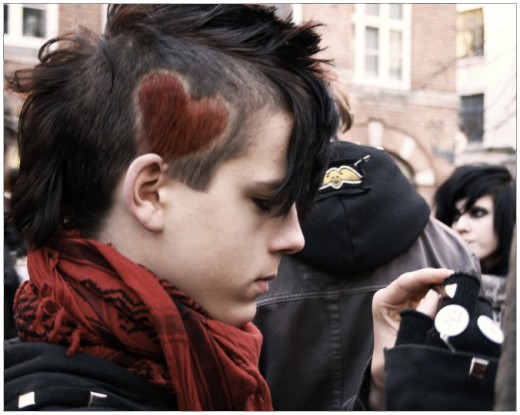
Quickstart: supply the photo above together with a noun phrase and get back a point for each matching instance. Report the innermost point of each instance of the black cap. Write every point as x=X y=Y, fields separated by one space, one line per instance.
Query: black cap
x=366 y=212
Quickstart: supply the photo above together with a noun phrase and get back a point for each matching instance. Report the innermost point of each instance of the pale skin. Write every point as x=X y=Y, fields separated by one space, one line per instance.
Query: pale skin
x=410 y=290
x=475 y=226
x=223 y=245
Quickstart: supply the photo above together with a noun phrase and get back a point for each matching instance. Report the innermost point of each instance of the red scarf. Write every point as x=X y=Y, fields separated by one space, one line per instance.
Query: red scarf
x=87 y=296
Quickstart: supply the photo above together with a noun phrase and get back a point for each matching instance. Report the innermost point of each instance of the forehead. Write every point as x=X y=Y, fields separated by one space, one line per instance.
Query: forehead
x=486 y=201
x=264 y=162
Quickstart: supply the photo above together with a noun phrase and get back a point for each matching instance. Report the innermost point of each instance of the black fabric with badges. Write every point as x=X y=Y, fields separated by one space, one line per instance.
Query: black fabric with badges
x=449 y=363
x=367 y=227
x=39 y=377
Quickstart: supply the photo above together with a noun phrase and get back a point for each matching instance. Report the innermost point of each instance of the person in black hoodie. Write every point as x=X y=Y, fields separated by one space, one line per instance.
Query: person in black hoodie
x=368 y=226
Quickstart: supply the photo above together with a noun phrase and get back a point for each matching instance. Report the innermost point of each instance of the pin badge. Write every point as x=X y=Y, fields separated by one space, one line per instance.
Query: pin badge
x=445 y=290
x=25 y=400
x=478 y=368
x=490 y=329
x=96 y=398
x=451 y=320
x=450 y=290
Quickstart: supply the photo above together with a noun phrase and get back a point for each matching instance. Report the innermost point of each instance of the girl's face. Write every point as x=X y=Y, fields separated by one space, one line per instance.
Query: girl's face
x=475 y=226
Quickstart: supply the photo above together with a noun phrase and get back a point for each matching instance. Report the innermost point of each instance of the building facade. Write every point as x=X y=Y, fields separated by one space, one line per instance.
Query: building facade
x=433 y=84
x=28 y=26
x=411 y=88
x=399 y=63
x=486 y=83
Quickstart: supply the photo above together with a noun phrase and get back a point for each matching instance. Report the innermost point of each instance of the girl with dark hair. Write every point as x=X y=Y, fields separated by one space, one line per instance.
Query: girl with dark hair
x=479 y=202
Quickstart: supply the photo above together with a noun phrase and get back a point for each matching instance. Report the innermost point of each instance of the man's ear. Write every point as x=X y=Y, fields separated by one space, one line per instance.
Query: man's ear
x=144 y=178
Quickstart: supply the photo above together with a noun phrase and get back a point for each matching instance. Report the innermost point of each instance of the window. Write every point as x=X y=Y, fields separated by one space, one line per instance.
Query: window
x=6 y=18
x=470 y=33
x=282 y=9
x=372 y=9
x=382 y=45
x=372 y=51
x=34 y=22
x=395 y=69
x=396 y=11
x=471 y=117
x=26 y=25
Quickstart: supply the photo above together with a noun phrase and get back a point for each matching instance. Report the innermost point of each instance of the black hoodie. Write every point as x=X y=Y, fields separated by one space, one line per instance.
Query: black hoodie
x=368 y=226
x=366 y=213
x=40 y=376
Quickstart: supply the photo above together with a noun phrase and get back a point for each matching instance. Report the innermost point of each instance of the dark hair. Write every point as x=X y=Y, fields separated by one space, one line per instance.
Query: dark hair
x=472 y=182
x=92 y=100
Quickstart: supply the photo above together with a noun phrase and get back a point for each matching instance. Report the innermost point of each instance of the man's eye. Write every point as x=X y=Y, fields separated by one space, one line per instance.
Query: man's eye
x=478 y=212
x=265 y=205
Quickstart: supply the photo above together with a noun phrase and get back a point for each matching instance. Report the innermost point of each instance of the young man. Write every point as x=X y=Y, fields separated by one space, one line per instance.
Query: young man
x=164 y=168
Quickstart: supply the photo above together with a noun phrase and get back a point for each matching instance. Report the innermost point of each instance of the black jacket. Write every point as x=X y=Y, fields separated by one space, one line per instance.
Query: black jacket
x=316 y=318
x=40 y=376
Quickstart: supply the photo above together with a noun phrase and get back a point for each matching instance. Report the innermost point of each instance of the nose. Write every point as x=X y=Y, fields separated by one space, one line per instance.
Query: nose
x=462 y=225
x=289 y=237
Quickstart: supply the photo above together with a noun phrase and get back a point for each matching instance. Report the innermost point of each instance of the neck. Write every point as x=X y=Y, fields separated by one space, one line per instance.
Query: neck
x=491 y=264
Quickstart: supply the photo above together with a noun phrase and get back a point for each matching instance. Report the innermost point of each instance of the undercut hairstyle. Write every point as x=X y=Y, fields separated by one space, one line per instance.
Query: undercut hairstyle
x=471 y=182
x=184 y=81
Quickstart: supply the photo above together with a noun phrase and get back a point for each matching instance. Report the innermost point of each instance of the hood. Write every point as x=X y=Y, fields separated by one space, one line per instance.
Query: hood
x=42 y=377
x=366 y=212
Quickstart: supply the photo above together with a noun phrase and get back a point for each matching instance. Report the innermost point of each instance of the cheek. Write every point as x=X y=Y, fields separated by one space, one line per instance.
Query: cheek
x=238 y=242
x=212 y=233
x=493 y=242
x=487 y=235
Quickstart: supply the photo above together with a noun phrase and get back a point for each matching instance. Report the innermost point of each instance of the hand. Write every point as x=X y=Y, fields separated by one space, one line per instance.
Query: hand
x=408 y=291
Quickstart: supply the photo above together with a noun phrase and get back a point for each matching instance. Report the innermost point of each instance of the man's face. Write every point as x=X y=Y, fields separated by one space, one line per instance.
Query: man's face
x=223 y=245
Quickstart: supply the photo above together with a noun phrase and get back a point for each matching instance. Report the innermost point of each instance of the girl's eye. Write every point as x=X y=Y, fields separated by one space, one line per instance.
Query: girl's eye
x=456 y=216
x=477 y=212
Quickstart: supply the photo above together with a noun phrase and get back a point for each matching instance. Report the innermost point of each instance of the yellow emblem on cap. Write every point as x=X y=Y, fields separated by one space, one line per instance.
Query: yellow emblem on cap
x=336 y=176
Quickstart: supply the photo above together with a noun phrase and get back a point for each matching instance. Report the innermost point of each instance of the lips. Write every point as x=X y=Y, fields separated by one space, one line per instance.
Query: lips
x=268 y=278
x=263 y=283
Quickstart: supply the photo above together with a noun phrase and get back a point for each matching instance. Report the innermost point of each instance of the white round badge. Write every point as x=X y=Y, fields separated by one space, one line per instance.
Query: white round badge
x=451 y=320
x=490 y=329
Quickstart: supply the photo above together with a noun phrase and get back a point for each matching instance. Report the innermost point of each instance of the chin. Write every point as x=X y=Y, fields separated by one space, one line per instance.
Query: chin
x=240 y=318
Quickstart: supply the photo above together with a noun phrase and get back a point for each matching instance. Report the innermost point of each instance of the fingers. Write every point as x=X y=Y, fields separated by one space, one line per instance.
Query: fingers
x=405 y=292
x=429 y=304
x=413 y=284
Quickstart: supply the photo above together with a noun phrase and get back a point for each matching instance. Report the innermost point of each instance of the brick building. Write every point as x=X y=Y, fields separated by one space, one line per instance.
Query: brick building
x=413 y=85
x=398 y=61
x=28 y=26
x=486 y=82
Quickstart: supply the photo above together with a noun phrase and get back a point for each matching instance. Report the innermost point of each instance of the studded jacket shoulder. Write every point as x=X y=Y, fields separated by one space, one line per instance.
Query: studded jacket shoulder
x=40 y=376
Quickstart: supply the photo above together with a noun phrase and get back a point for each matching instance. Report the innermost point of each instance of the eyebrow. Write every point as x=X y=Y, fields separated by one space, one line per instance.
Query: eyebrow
x=268 y=184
